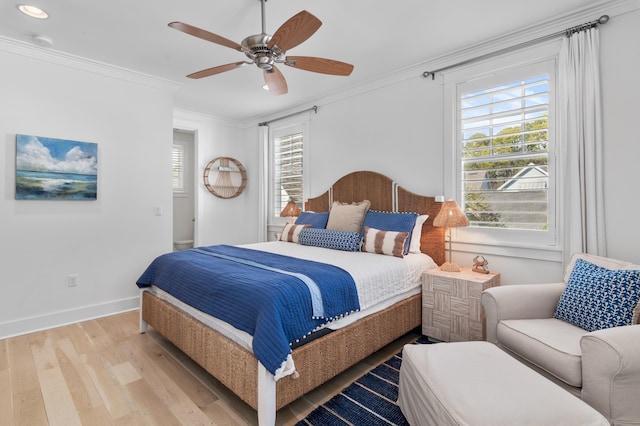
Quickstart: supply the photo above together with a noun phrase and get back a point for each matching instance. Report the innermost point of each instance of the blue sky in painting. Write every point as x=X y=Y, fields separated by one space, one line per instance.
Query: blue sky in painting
x=36 y=153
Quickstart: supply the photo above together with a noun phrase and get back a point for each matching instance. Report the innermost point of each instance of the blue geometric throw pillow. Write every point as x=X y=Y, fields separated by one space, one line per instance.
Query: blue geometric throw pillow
x=597 y=297
x=330 y=238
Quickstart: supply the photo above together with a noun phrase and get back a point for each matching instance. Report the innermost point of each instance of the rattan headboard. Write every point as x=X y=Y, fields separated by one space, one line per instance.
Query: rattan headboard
x=385 y=195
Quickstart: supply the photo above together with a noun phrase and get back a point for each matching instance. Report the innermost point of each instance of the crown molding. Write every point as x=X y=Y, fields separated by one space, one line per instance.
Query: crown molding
x=56 y=57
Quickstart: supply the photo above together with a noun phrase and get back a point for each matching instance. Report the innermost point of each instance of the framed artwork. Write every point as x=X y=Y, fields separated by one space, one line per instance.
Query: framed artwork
x=55 y=169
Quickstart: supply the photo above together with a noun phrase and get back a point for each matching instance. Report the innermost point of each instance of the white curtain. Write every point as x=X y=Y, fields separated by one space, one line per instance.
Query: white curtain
x=580 y=125
x=263 y=173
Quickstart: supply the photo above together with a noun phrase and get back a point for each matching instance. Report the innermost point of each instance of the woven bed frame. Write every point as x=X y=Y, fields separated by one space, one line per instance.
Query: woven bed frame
x=321 y=359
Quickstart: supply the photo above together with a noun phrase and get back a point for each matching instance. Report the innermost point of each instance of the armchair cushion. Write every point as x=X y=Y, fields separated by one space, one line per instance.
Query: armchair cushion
x=596 y=297
x=523 y=301
x=550 y=344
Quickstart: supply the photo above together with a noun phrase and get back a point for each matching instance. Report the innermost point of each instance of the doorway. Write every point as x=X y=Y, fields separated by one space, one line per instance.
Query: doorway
x=183 y=188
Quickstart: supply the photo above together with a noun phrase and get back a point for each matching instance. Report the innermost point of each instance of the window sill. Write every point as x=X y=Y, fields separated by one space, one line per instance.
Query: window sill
x=546 y=253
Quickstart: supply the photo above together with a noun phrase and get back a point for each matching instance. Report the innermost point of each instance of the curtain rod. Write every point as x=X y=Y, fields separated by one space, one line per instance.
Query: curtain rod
x=602 y=20
x=266 y=123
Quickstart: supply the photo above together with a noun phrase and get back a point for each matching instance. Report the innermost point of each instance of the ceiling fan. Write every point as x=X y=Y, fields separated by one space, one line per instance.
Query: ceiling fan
x=266 y=50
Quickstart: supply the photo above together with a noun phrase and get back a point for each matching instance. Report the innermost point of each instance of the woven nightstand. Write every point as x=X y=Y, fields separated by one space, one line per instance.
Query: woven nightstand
x=451 y=309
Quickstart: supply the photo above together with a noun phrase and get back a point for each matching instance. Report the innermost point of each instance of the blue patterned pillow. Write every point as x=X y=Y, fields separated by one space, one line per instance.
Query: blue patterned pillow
x=316 y=220
x=391 y=221
x=329 y=238
x=597 y=297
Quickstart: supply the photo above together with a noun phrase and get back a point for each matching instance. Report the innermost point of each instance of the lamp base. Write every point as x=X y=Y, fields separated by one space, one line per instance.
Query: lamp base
x=449 y=267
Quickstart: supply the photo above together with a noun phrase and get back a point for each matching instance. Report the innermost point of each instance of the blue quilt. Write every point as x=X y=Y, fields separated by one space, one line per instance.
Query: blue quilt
x=277 y=299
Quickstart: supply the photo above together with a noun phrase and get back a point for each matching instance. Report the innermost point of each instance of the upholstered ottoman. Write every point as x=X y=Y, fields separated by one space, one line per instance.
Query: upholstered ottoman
x=476 y=383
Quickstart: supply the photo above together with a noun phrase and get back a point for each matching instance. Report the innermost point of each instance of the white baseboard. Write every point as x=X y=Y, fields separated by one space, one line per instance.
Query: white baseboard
x=58 y=319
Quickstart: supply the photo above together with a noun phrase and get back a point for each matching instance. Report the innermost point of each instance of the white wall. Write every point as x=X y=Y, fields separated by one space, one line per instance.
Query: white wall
x=395 y=129
x=620 y=62
x=106 y=242
x=223 y=221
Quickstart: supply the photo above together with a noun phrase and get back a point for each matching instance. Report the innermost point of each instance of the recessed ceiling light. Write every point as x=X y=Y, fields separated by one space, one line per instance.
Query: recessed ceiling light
x=33 y=11
x=265 y=87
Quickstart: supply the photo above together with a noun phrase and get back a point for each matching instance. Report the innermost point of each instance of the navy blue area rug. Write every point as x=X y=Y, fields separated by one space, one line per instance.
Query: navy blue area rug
x=370 y=400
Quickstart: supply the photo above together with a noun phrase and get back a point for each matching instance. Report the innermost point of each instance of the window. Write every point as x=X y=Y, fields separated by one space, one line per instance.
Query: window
x=504 y=137
x=287 y=147
x=503 y=168
x=177 y=169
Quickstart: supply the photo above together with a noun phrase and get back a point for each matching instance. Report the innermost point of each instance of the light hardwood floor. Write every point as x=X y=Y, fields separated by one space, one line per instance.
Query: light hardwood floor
x=104 y=372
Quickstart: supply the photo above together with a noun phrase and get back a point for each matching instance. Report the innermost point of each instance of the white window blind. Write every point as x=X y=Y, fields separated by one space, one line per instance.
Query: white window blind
x=287 y=171
x=177 y=170
x=504 y=140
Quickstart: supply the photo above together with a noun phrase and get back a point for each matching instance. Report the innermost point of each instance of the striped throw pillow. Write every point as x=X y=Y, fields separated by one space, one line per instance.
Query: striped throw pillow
x=384 y=242
x=291 y=231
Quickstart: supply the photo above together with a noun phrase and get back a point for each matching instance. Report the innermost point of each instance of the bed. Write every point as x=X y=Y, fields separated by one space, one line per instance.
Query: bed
x=224 y=355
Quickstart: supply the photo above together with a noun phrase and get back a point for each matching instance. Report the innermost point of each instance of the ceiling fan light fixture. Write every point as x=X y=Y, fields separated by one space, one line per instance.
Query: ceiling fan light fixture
x=33 y=11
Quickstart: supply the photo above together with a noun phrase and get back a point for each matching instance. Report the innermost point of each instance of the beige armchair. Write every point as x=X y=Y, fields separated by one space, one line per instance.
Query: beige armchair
x=602 y=367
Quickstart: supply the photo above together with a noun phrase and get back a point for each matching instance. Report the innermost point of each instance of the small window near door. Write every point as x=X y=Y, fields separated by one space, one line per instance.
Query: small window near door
x=177 y=170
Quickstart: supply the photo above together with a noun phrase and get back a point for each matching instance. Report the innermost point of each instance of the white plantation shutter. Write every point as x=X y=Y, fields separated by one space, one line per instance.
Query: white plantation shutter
x=287 y=171
x=504 y=152
x=177 y=170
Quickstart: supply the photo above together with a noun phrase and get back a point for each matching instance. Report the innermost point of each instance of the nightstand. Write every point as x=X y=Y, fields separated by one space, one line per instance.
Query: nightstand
x=451 y=309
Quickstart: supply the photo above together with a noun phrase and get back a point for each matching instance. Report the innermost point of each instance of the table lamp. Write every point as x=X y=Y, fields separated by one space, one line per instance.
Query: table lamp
x=291 y=210
x=450 y=216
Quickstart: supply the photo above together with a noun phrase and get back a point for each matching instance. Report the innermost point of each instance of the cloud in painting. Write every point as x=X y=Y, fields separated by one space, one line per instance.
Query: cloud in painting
x=63 y=157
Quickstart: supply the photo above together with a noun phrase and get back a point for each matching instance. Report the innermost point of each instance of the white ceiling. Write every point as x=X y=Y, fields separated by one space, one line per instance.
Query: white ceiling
x=377 y=37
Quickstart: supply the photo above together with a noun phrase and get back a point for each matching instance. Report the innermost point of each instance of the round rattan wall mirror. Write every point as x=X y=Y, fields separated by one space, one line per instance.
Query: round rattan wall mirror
x=228 y=175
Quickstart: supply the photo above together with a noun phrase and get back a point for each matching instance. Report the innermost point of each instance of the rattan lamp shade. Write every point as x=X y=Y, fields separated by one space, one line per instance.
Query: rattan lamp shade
x=290 y=210
x=450 y=216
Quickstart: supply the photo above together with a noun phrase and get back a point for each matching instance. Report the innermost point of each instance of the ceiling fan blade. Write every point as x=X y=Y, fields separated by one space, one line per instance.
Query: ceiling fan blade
x=321 y=65
x=296 y=30
x=275 y=81
x=216 y=70
x=205 y=35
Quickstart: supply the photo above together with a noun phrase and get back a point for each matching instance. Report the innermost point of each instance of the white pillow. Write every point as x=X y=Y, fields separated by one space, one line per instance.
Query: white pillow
x=416 y=234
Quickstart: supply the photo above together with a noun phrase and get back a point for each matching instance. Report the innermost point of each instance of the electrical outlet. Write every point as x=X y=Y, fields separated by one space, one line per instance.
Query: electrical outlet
x=72 y=280
x=157 y=210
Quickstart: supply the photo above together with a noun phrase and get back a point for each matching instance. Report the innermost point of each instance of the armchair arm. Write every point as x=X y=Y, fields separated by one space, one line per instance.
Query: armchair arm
x=518 y=301
x=611 y=373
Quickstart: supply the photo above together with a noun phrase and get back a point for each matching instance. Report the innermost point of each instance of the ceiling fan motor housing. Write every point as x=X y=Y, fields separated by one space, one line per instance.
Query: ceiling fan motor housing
x=258 y=51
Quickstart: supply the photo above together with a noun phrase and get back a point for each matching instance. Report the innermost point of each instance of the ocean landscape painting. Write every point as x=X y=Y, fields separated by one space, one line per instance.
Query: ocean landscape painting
x=55 y=169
